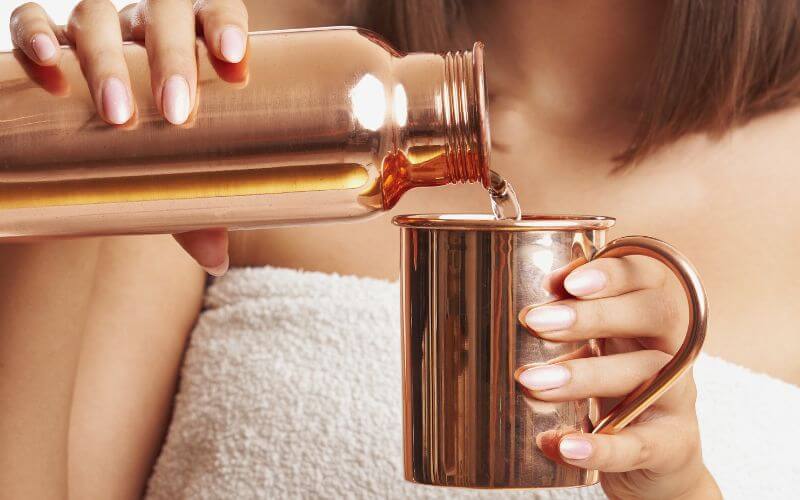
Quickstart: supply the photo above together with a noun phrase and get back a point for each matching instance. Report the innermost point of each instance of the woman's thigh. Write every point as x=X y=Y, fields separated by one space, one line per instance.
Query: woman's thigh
x=145 y=301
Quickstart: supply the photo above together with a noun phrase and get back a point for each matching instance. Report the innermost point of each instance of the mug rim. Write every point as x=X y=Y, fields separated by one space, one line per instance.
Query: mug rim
x=487 y=222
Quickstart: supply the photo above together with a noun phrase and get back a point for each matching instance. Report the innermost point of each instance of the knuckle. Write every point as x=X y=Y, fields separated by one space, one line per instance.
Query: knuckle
x=26 y=8
x=605 y=456
x=81 y=15
x=88 y=7
x=597 y=314
x=582 y=373
x=632 y=451
x=641 y=454
x=655 y=271
x=666 y=312
x=104 y=58
x=173 y=55
x=161 y=3
x=212 y=13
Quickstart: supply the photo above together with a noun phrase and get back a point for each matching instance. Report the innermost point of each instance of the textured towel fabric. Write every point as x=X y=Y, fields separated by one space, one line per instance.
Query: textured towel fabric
x=291 y=389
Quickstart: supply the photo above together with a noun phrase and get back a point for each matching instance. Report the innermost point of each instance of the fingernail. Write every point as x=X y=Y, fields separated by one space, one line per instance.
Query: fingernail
x=116 y=105
x=175 y=100
x=575 y=448
x=218 y=270
x=231 y=44
x=542 y=378
x=585 y=282
x=548 y=318
x=43 y=47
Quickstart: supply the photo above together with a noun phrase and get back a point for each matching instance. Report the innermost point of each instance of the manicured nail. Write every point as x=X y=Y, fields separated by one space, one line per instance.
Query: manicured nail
x=175 y=100
x=575 y=448
x=220 y=269
x=116 y=104
x=585 y=282
x=231 y=44
x=549 y=318
x=43 y=47
x=542 y=378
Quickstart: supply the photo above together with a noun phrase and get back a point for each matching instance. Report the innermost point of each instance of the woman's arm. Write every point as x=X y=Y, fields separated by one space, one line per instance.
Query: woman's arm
x=91 y=336
x=92 y=331
x=45 y=296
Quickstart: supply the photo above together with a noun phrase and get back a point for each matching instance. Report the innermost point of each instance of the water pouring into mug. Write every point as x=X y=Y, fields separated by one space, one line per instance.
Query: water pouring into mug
x=505 y=204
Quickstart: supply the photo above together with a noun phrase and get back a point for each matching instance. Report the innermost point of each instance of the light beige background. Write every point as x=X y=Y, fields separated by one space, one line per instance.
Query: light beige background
x=58 y=9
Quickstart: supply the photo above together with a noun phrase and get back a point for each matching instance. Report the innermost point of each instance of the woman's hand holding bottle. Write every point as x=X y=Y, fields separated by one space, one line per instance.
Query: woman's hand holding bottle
x=168 y=29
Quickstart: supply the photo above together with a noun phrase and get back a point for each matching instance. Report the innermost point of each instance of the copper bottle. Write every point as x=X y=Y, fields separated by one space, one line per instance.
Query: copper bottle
x=313 y=125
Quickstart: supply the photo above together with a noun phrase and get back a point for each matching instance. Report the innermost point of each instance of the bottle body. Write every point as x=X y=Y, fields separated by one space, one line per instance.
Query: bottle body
x=312 y=126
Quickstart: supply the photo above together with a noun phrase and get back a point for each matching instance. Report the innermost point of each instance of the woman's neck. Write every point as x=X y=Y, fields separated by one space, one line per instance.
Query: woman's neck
x=573 y=63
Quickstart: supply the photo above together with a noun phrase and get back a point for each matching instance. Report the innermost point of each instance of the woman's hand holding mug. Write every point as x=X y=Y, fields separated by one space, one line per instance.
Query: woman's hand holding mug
x=639 y=310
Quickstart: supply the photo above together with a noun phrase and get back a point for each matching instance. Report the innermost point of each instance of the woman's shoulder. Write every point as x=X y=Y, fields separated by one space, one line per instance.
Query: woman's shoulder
x=767 y=144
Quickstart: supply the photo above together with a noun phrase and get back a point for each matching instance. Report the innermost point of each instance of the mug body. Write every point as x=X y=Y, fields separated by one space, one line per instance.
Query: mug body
x=465 y=281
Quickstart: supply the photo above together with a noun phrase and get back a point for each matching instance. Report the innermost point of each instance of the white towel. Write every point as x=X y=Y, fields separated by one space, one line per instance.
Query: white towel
x=291 y=389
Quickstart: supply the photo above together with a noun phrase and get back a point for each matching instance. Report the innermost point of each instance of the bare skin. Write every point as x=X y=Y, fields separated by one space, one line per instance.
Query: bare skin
x=567 y=106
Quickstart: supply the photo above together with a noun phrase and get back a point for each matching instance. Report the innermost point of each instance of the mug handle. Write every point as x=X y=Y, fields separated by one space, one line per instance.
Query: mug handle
x=647 y=393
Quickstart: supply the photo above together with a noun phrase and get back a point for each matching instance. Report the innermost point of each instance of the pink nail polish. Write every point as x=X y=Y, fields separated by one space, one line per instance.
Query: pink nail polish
x=220 y=269
x=575 y=448
x=550 y=318
x=585 y=282
x=116 y=104
x=542 y=378
x=175 y=100
x=231 y=44
x=43 y=47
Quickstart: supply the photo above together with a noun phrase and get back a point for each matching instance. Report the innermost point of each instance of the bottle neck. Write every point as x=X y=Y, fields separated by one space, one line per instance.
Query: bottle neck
x=442 y=135
x=465 y=116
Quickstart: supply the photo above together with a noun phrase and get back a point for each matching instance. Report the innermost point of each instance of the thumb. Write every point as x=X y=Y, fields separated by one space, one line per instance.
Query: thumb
x=209 y=247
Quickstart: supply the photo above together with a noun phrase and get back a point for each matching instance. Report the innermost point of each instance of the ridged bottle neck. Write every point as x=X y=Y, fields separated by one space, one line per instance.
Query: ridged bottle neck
x=465 y=116
x=441 y=133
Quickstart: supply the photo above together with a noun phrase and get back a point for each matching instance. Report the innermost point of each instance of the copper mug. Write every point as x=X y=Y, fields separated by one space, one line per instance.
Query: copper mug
x=466 y=280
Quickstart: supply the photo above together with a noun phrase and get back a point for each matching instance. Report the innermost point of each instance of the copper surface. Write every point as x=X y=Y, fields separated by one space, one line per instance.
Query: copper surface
x=312 y=126
x=465 y=279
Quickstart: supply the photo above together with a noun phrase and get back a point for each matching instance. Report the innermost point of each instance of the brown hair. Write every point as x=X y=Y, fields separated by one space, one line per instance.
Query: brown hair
x=719 y=63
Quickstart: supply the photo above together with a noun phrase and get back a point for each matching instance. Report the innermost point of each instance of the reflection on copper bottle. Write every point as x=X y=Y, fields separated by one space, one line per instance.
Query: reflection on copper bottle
x=313 y=125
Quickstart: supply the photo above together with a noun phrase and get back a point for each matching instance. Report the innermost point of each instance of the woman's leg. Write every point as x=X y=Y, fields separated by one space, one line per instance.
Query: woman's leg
x=146 y=300
x=45 y=291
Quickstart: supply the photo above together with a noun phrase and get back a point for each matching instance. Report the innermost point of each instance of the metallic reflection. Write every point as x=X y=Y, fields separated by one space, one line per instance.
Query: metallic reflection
x=369 y=102
x=465 y=281
x=311 y=105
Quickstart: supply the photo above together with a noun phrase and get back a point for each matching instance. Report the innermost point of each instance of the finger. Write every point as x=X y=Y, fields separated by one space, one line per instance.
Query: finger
x=644 y=313
x=93 y=28
x=609 y=277
x=610 y=376
x=209 y=247
x=224 y=24
x=661 y=445
x=131 y=21
x=32 y=31
x=170 y=41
